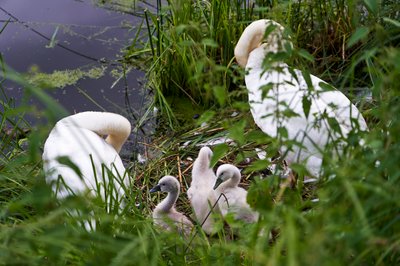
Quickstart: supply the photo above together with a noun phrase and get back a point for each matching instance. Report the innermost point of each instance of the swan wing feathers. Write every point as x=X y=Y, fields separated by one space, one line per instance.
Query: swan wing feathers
x=86 y=150
x=272 y=94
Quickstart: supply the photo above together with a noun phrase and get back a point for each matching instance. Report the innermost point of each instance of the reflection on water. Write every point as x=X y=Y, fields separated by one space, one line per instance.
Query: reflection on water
x=48 y=36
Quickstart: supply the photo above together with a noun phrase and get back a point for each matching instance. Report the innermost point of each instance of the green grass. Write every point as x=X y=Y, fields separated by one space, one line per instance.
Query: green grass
x=356 y=220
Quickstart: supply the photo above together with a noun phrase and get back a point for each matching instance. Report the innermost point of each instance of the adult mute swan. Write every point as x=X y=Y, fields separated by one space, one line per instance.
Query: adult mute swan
x=77 y=158
x=200 y=193
x=278 y=90
x=235 y=199
x=165 y=215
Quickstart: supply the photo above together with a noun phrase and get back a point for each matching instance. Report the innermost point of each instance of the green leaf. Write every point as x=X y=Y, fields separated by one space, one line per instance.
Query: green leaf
x=209 y=42
x=259 y=195
x=65 y=160
x=241 y=106
x=270 y=28
x=392 y=21
x=282 y=132
x=258 y=165
x=372 y=6
x=236 y=132
x=358 y=35
x=300 y=169
x=220 y=94
x=307 y=78
x=265 y=89
x=205 y=117
x=288 y=113
x=326 y=86
x=306 y=55
x=258 y=137
x=306 y=105
x=334 y=125
x=219 y=151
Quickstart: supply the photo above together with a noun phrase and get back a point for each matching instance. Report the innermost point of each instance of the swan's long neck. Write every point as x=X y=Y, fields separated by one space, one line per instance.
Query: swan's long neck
x=168 y=203
x=253 y=36
x=116 y=127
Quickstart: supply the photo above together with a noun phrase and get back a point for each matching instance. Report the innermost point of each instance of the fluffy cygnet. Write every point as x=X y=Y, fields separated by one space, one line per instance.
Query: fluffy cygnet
x=234 y=201
x=165 y=215
x=201 y=194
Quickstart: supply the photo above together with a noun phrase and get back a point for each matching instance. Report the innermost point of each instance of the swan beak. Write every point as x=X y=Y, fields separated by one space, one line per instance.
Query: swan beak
x=217 y=183
x=155 y=189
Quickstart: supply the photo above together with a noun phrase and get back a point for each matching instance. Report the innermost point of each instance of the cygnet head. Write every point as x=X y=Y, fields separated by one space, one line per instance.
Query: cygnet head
x=225 y=172
x=205 y=153
x=203 y=159
x=167 y=184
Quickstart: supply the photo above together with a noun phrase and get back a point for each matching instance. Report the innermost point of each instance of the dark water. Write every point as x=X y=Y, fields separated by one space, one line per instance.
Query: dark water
x=87 y=35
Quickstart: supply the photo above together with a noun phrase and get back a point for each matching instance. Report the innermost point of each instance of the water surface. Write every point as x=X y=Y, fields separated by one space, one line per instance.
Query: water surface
x=49 y=35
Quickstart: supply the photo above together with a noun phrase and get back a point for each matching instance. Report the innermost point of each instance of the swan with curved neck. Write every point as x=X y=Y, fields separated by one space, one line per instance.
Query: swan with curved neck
x=235 y=200
x=200 y=193
x=165 y=215
x=281 y=90
x=76 y=151
x=253 y=37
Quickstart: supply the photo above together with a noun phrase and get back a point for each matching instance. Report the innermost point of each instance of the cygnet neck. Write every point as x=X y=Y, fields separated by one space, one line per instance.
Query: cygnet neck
x=234 y=180
x=168 y=203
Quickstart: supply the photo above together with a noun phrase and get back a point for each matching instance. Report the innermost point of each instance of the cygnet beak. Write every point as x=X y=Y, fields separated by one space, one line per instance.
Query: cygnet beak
x=217 y=183
x=155 y=189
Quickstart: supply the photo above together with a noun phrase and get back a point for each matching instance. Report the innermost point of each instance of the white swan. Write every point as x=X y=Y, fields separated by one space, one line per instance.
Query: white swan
x=76 y=158
x=273 y=90
x=165 y=215
x=200 y=193
x=235 y=199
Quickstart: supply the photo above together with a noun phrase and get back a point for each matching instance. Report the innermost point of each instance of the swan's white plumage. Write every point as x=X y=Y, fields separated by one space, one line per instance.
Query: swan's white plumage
x=235 y=199
x=200 y=193
x=79 y=137
x=165 y=215
x=287 y=91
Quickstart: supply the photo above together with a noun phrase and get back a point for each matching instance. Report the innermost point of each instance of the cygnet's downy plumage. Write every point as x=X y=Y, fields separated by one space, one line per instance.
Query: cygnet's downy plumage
x=279 y=88
x=165 y=215
x=235 y=198
x=201 y=194
x=76 y=151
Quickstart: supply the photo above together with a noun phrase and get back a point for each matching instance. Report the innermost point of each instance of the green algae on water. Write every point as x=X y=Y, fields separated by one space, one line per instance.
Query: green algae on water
x=63 y=78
